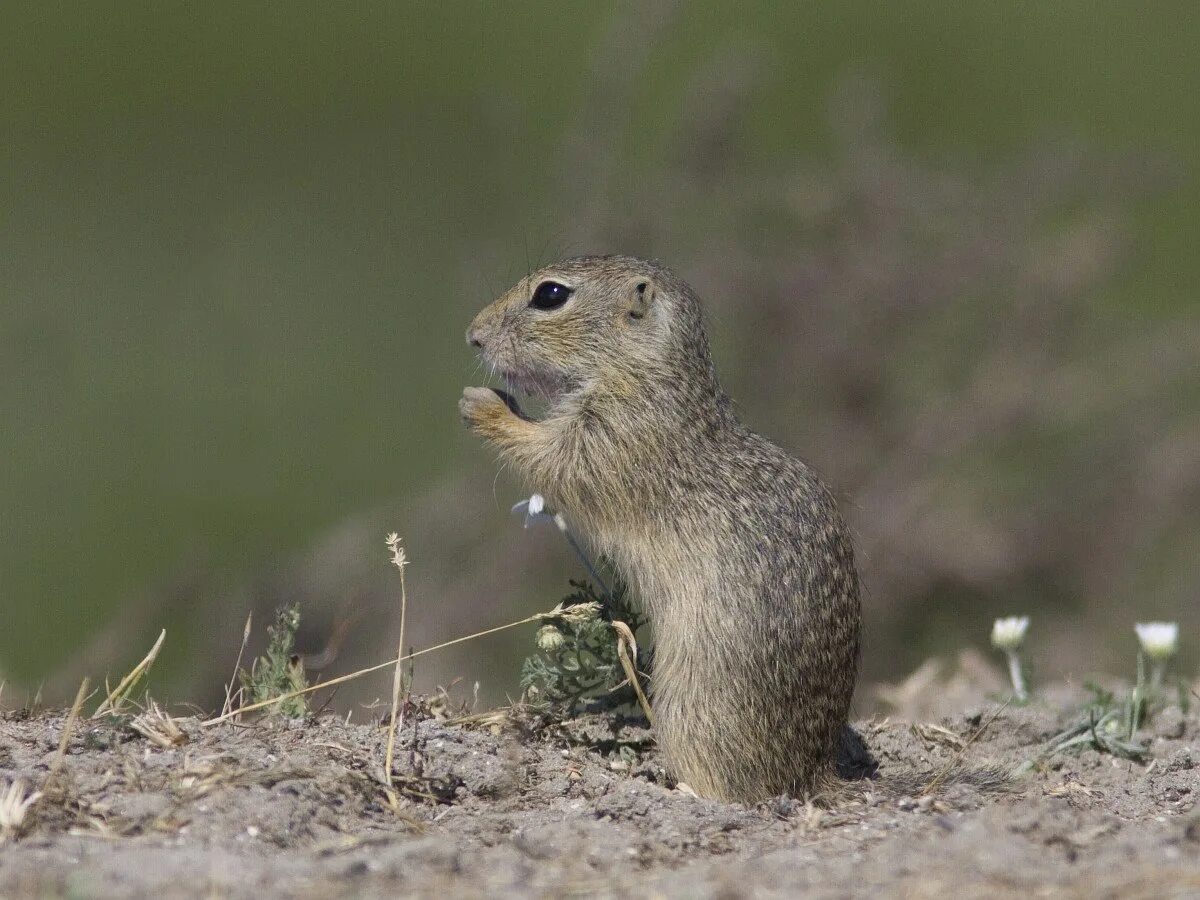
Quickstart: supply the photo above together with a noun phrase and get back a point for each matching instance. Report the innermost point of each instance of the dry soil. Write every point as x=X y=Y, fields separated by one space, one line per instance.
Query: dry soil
x=495 y=807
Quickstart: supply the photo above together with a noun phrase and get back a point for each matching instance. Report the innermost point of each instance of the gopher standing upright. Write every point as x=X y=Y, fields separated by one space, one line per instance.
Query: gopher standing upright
x=735 y=548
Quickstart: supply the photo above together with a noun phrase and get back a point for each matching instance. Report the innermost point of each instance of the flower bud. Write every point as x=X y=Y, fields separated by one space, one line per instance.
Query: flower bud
x=550 y=638
x=1159 y=640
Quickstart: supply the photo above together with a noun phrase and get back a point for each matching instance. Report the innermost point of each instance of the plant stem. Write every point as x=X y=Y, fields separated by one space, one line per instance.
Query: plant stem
x=1157 y=673
x=583 y=557
x=397 y=687
x=1138 y=700
x=1014 y=672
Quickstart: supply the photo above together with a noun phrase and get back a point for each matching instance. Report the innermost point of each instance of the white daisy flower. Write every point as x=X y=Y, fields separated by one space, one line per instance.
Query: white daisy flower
x=1159 y=640
x=1009 y=633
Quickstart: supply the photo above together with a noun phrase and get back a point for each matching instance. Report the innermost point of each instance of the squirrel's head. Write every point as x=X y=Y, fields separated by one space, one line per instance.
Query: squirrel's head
x=617 y=323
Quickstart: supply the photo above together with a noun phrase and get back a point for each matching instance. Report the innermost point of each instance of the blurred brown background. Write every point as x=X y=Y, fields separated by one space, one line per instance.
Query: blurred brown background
x=947 y=251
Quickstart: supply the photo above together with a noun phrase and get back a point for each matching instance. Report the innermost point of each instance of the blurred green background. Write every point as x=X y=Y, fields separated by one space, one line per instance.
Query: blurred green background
x=241 y=243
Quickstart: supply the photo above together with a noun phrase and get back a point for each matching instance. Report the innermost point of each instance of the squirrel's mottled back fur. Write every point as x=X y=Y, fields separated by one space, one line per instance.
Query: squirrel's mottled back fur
x=735 y=548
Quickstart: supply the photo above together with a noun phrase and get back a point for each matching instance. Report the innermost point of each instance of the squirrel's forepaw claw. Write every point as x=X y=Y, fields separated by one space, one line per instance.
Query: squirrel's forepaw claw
x=481 y=406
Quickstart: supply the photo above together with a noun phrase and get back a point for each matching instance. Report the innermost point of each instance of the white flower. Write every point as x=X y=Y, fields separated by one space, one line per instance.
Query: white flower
x=535 y=510
x=1009 y=633
x=1159 y=640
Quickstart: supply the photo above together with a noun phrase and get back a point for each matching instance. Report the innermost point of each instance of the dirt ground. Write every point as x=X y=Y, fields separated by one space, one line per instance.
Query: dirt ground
x=536 y=808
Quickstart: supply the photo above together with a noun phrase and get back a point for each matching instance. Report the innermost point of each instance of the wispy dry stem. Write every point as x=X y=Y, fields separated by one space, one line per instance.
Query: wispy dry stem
x=65 y=739
x=237 y=666
x=399 y=560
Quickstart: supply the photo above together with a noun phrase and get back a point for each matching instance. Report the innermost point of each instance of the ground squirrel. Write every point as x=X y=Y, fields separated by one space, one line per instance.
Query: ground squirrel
x=735 y=548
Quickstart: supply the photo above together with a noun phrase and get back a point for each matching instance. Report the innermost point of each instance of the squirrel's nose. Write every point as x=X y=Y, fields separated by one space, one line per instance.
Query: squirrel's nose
x=473 y=339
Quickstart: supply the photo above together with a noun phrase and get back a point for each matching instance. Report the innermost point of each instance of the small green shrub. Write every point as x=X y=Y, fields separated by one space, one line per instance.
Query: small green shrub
x=280 y=670
x=577 y=659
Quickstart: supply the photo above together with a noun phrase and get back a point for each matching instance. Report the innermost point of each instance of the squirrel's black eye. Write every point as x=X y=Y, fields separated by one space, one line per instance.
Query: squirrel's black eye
x=550 y=295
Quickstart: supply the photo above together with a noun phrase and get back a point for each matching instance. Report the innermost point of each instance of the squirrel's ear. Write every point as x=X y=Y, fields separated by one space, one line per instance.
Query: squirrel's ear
x=641 y=298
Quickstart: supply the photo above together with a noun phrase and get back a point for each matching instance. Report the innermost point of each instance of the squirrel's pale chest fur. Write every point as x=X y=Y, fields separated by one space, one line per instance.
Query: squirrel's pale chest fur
x=735 y=548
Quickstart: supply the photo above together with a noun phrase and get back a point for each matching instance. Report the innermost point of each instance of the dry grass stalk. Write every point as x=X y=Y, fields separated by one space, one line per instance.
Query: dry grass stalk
x=230 y=693
x=536 y=617
x=627 y=654
x=15 y=803
x=399 y=560
x=68 y=729
x=492 y=718
x=199 y=777
x=112 y=703
x=159 y=727
x=393 y=805
x=957 y=758
x=936 y=734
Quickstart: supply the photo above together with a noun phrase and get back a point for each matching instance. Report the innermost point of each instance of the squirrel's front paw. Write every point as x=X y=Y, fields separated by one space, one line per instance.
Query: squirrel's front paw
x=483 y=409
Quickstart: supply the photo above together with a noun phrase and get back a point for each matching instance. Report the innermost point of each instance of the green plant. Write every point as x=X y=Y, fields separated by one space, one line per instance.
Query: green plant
x=588 y=651
x=577 y=658
x=280 y=669
x=1107 y=724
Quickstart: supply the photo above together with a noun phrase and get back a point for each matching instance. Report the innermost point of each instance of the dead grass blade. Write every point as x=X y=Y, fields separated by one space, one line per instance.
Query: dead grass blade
x=227 y=706
x=957 y=758
x=200 y=777
x=627 y=654
x=124 y=688
x=159 y=727
x=492 y=718
x=65 y=739
x=15 y=803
